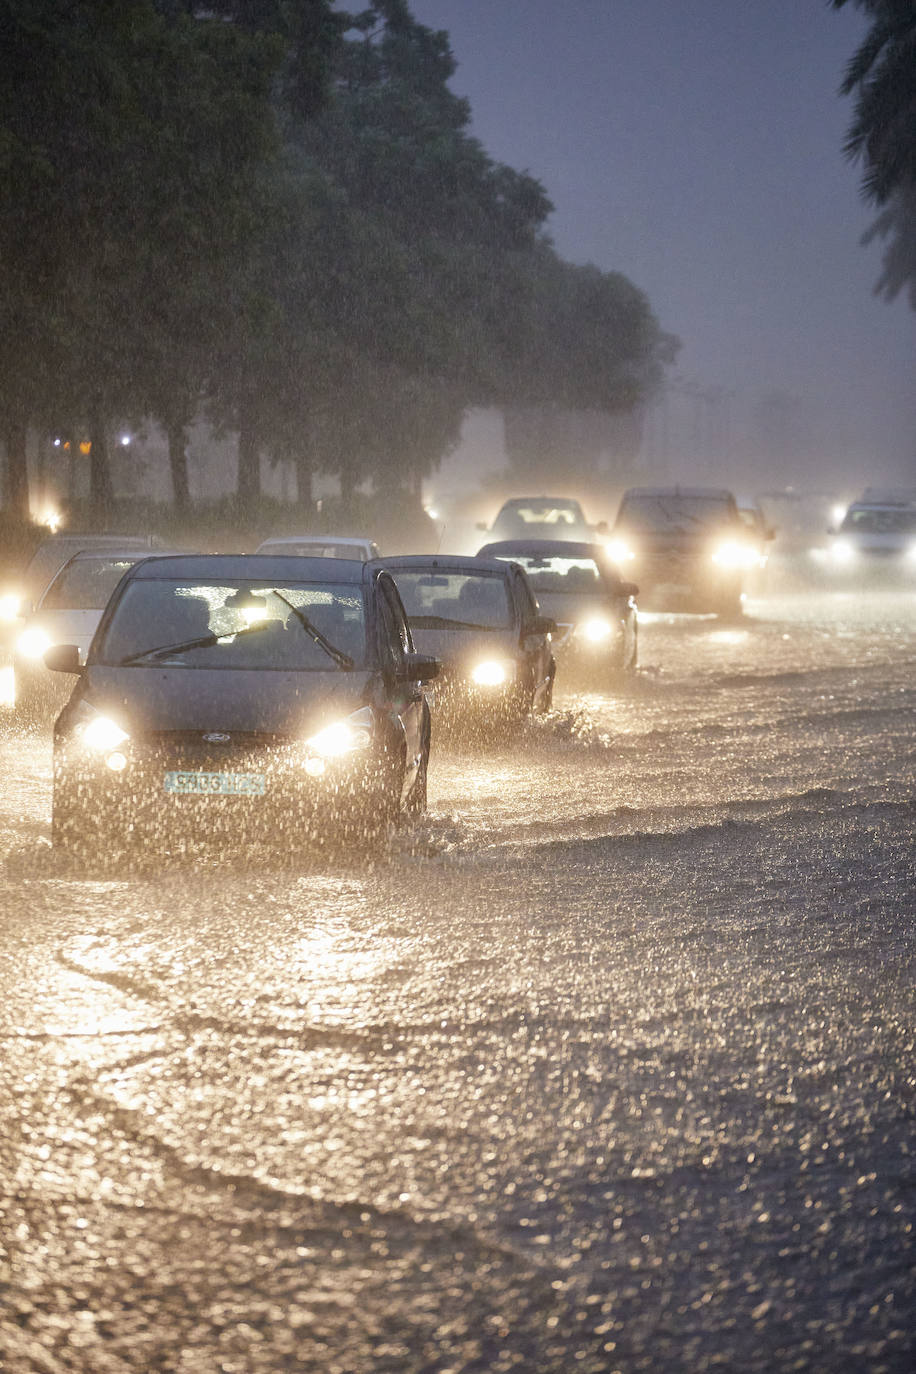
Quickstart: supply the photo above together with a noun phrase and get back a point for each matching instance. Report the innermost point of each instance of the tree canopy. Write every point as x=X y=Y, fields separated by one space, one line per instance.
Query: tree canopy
x=882 y=136
x=274 y=214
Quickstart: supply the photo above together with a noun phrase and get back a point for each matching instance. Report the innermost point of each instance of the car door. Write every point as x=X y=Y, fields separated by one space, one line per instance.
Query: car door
x=405 y=701
x=535 y=647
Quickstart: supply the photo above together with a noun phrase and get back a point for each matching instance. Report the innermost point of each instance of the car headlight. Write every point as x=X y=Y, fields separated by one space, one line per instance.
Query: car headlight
x=734 y=555
x=596 y=630
x=342 y=737
x=102 y=734
x=490 y=673
x=33 y=642
x=10 y=604
x=619 y=550
x=842 y=551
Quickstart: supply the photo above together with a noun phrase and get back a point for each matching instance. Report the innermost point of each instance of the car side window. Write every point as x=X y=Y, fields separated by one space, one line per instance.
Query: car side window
x=394 y=635
x=524 y=599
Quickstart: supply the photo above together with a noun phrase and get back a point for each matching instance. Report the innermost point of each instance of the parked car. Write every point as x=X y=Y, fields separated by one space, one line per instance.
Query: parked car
x=593 y=607
x=540 y=517
x=687 y=547
x=321 y=546
x=67 y=612
x=876 y=538
x=481 y=620
x=276 y=698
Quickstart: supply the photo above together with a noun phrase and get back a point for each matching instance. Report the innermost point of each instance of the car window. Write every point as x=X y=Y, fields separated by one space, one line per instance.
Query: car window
x=876 y=521
x=253 y=624
x=394 y=636
x=562 y=575
x=672 y=512
x=524 y=598
x=84 y=586
x=306 y=549
x=434 y=598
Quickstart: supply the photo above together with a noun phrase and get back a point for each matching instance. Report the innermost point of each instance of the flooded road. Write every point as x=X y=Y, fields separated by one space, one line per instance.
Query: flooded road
x=606 y=1064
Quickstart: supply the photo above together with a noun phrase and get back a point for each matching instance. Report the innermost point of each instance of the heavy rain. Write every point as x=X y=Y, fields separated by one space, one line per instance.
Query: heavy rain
x=620 y=1077
x=457 y=880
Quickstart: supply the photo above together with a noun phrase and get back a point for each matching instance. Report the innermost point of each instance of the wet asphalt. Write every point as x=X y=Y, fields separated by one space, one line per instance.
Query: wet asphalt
x=605 y=1064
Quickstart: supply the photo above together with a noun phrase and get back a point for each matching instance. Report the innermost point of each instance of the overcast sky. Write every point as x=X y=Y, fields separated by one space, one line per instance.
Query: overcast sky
x=696 y=146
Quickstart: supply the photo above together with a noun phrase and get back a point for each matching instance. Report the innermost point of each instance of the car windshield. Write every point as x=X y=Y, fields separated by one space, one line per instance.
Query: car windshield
x=551 y=514
x=570 y=576
x=892 y=520
x=440 y=599
x=86 y=586
x=306 y=549
x=242 y=624
x=667 y=511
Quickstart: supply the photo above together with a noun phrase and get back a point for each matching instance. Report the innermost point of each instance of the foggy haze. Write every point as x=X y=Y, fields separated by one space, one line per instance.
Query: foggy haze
x=698 y=150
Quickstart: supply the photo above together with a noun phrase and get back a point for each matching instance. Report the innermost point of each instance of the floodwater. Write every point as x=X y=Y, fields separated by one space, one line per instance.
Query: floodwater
x=606 y=1064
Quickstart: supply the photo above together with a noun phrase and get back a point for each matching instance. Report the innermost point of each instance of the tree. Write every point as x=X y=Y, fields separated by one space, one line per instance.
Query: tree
x=882 y=73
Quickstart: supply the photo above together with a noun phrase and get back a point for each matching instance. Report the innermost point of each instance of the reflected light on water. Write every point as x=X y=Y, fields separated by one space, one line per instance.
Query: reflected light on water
x=729 y=636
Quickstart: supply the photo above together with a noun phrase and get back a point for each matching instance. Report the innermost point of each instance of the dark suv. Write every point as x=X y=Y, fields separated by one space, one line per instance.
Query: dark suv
x=687 y=547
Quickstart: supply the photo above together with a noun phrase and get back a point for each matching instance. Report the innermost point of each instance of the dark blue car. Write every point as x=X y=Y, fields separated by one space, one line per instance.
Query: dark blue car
x=259 y=696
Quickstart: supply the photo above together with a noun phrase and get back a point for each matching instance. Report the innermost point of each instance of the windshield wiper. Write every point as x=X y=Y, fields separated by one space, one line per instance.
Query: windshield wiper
x=342 y=659
x=441 y=622
x=200 y=643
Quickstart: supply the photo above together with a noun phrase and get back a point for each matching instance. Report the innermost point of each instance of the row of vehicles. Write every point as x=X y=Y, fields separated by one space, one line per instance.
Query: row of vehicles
x=273 y=693
x=687 y=548
x=280 y=688
x=697 y=549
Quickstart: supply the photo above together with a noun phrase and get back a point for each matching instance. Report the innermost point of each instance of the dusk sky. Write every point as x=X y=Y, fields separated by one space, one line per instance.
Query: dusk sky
x=697 y=147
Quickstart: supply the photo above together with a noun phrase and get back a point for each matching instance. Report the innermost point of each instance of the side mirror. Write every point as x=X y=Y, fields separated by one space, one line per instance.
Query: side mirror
x=63 y=658
x=541 y=625
x=422 y=668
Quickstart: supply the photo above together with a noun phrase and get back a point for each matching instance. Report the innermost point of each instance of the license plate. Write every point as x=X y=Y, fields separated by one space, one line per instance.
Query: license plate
x=217 y=784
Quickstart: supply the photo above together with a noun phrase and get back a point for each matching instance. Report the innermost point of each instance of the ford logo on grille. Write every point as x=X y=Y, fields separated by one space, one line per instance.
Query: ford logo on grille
x=217 y=739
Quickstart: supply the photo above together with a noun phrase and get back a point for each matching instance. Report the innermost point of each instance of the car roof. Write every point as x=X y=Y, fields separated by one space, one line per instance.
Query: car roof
x=545 y=502
x=543 y=548
x=710 y=493
x=100 y=555
x=442 y=562
x=289 y=567
x=357 y=540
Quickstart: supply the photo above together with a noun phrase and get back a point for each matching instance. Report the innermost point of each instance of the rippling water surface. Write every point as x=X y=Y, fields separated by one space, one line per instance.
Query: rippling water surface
x=605 y=1064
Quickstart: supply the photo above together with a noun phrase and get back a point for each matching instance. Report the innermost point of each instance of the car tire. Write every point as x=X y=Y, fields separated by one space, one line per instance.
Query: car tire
x=547 y=701
x=382 y=807
x=416 y=797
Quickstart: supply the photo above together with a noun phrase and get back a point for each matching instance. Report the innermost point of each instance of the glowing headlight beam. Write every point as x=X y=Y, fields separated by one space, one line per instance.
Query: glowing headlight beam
x=619 y=550
x=10 y=603
x=33 y=642
x=489 y=674
x=596 y=630
x=734 y=555
x=103 y=734
x=341 y=737
x=842 y=551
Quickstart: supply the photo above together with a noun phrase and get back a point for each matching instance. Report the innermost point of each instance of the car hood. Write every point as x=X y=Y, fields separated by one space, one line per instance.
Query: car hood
x=454 y=648
x=267 y=702
x=568 y=609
